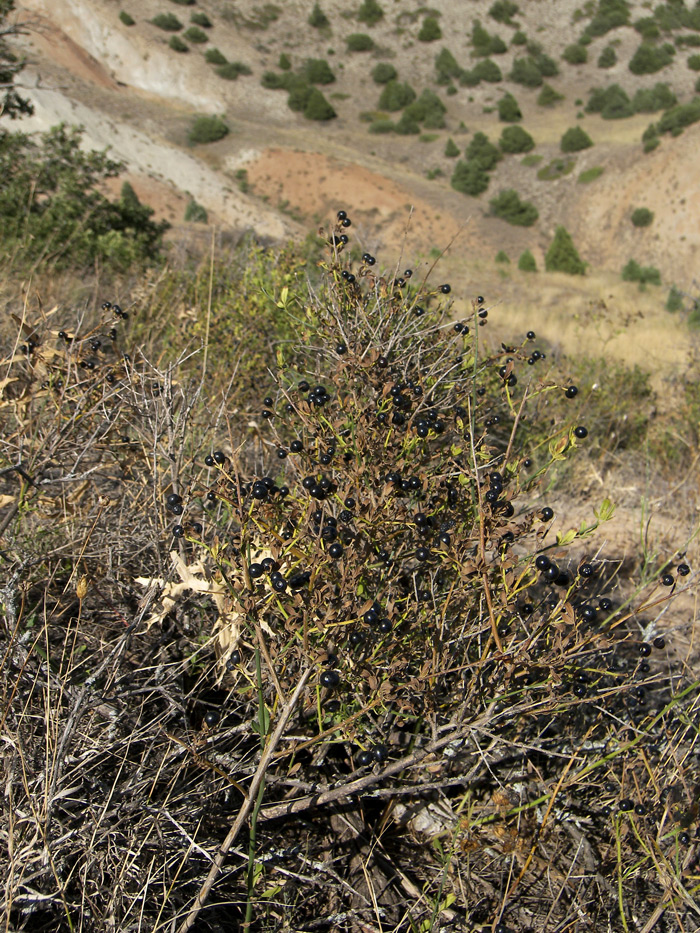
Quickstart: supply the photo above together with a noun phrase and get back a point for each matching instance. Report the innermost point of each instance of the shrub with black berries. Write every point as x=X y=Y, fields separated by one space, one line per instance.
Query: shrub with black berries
x=367 y=512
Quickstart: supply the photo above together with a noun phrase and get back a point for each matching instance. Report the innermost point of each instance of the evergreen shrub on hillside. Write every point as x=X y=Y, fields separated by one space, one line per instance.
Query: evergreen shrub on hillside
x=126 y=19
x=642 y=217
x=317 y=18
x=214 y=57
x=677 y=118
x=548 y=96
x=196 y=35
x=651 y=100
x=207 y=129
x=487 y=70
x=610 y=14
x=469 y=178
x=317 y=107
x=648 y=59
x=195 y=213
x=645 y=275
x=430 y=30
x=575 y=54
x=451 y=149
x=508 y=109
x=484 y=43
x=177 y=45
x=483 y=151
x=562 y=255
x=167 y=21
x=508 y=206
x=359 y=42
x=575 y=139
x=526 y=262
x=233 y=70
x=515 y=139
x=607 y=58
x=446 y=67
x=201 y=19
x=395 y=96
x=428 y=109
x=370 y=12
x=503 y=11
x=383 y=73
x=612 y=103
x=526 y=72
x=318 y=71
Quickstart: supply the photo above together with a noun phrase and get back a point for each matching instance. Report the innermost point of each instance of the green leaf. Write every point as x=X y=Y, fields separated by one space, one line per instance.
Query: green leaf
x=605 y=512
x=567 y=538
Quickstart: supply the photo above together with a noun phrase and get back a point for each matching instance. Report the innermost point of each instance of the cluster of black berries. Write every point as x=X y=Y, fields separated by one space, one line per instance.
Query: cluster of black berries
x=115 y=309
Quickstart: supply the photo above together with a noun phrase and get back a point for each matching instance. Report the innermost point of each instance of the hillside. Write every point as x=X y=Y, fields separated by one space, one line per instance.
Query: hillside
x=133 y=92
x=349 y=445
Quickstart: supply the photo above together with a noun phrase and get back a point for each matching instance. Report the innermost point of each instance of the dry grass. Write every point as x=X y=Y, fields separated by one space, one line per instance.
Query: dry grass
x=171 y=753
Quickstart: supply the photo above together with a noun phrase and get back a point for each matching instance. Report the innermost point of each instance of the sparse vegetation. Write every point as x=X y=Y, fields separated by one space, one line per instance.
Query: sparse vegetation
x=502 y=257
x=195 y=213
x=555 y=169
x=575 y=139
x=284 y=63
x=642 y=217
x=126 y=19
x=562 y=255
x=207 y=129
x=451 y=149
x=694 y=62
x=508 y=206
x=590 y=174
